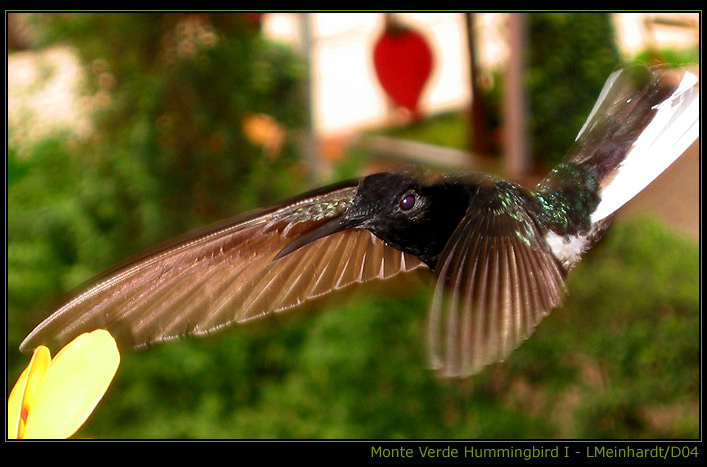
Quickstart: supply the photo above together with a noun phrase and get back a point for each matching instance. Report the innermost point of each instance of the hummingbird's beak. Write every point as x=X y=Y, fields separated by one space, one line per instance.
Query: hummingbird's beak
x=330 y=227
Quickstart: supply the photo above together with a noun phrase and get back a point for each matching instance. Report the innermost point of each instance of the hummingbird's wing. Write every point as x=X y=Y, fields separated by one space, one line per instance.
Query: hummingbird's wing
x=225 y=274
x=495 y=280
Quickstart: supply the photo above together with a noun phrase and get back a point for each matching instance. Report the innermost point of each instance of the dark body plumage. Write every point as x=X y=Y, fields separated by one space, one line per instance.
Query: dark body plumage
x=499 y=252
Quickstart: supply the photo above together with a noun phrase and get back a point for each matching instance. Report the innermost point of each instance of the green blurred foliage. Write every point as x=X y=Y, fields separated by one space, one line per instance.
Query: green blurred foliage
x=671 y=57
x=449 y=129
x=178 y=87
x=169 y=93
x=619 y=359
x=568 y=59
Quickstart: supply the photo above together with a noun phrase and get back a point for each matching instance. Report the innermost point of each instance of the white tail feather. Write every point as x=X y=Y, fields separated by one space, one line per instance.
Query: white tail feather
x=673 y=129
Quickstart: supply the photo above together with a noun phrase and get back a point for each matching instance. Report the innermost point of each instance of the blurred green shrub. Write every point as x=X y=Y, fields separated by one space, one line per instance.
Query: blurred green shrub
x=569 y=58
x=169 y=94
x=671 y=57
x=178 y=89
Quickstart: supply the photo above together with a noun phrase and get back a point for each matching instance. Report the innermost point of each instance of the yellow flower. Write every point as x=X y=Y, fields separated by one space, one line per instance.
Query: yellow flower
x=53 y=398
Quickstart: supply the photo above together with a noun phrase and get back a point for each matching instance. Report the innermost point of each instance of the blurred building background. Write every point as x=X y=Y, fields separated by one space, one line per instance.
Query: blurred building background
x=341 y=45
x=345 y=97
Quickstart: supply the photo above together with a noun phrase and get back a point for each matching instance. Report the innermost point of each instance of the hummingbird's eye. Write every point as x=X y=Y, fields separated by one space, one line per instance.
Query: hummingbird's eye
x=407 y=202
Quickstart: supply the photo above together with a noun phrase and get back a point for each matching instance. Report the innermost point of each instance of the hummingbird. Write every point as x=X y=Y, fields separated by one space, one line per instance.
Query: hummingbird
x=498 y=252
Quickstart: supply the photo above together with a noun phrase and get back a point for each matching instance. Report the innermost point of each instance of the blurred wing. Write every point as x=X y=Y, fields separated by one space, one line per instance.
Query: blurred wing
x=495 y=281
x=226 y=274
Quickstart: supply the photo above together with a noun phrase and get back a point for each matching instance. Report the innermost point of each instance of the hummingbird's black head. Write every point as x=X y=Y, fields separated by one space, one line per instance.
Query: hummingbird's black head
x=410 y=216
x=406 y=214
x=387 y=200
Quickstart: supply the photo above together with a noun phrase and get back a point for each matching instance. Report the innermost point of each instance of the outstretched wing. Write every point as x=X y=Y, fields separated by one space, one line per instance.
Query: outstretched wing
x=495 y=280
x=226 y=274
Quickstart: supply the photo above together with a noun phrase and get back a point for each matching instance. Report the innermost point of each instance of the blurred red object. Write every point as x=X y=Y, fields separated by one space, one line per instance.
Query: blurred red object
x=254 y=18
x=403 y=62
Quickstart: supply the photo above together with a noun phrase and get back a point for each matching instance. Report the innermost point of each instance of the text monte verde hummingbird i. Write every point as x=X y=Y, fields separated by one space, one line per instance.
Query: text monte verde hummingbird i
x=499 y=252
